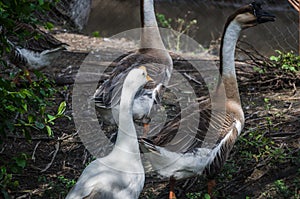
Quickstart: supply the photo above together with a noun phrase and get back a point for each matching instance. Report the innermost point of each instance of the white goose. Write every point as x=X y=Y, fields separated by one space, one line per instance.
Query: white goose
x=196 y=159
x=119 y=175
x=153 y=55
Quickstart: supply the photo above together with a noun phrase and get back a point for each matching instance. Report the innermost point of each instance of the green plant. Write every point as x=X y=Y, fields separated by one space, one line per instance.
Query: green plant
x=281 y=187
x=198 y=195
x=57 y=187
x=13 y=166
x=289 y=62
x=181 y=25
x=24 y=106
x=163 y=21
x=96 y=34
x=262 y=148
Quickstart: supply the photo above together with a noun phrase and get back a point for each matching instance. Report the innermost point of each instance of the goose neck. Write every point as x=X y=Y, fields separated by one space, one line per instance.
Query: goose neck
x=148 y=18
x=229 y=41
x=227 y=55
x=150 y=36
x=127 y=139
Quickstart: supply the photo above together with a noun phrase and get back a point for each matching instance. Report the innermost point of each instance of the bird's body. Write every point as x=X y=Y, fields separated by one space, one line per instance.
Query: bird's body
x=120 y=174
x=102 y=179
x=36 y=50
x=35 y=60
x=219 y=127
x=153 y=55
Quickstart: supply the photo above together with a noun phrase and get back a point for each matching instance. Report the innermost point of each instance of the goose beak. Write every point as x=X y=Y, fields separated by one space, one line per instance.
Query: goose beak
x=149 y=78
x=263 y=17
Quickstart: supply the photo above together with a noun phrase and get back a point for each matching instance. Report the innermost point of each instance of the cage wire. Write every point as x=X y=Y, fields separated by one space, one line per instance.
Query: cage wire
x=283 y=34
x=110 y=17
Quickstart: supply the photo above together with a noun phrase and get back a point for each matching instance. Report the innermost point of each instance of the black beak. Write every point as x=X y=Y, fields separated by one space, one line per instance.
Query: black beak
x=262 y=16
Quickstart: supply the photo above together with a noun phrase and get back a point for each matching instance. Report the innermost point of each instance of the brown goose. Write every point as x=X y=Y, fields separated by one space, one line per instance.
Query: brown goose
x=153 y=55
x=206 y=154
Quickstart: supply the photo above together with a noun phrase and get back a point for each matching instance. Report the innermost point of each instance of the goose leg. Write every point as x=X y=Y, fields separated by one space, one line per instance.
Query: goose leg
x=172 y=188
x=210 y=186
x=146 y=129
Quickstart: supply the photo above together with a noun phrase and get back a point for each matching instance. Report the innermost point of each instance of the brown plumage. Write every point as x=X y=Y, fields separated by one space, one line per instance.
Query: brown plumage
x=153 y=56
x=204 y=148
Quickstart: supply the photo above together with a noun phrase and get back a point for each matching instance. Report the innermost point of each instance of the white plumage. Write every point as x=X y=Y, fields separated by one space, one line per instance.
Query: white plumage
x=120 y=175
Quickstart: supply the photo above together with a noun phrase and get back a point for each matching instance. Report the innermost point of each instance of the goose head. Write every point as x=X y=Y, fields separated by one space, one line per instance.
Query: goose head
x=137 y=76
x=251 y=15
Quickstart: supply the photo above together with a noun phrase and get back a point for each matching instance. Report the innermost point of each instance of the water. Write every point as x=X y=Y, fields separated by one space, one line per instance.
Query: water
x=110 y=17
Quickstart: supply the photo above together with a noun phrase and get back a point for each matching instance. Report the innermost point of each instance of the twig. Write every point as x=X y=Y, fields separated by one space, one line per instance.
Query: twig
x=34 y=150
x=53 y=157
x=193 y=79
x=24 y=196
x=68 y=136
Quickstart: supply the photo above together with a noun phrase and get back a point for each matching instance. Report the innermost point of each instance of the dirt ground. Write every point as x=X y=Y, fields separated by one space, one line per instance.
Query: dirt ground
x=55 y=162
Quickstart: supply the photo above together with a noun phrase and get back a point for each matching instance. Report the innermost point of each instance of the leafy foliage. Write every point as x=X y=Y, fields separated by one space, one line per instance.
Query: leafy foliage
x=57 y=187
x=25 y=108
x=289 y=62
x=181 y=25
x=24 y=104
x=277 y=71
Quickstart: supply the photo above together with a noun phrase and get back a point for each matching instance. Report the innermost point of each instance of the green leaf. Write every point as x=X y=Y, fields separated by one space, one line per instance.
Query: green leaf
x=25 y=107
x=96 y=34
x=11 y=108
x=49 y=131
x=49 y=26
x=30 y=119
x=26 y=92
x=21 y=162
x=206 y=196
x=41 y=2
x=39 y=125
x=62 y=107
x=51 y=117
x=274 y=58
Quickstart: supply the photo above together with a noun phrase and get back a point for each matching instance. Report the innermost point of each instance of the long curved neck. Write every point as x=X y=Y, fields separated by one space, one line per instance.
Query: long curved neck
x=227 y=65
x=126 y=142
x=150 y=36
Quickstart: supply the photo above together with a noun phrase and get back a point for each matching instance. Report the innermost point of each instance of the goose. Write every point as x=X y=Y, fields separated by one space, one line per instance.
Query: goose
x=119 y=174
x=197 y=158
x=153 y=55
x=35 y=51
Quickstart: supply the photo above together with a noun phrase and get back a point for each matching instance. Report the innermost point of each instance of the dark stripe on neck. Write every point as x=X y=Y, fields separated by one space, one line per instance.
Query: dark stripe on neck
x=244 y=9
x=142 y=13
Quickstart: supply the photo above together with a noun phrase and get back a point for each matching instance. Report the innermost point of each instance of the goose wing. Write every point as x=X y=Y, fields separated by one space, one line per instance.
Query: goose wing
x=108 y=94
x=203 y=147
x=35 y=39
